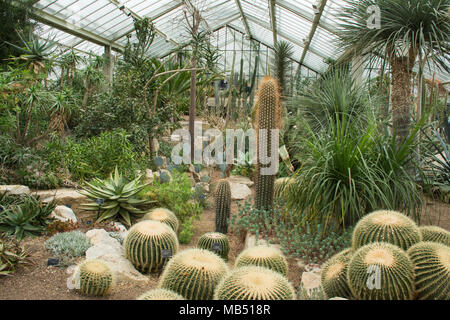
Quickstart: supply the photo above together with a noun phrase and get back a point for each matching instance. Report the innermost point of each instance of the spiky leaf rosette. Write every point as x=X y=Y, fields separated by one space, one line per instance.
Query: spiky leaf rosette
x=432 y=270
x=144 y=243
x=435 y=234
x=334 y=275
x=194 y=274
x=223 y=205
x=254 y=283
x=283 y=52
x=118 y=198
x=160 y=294
x=211 y=239
x=381 y=271
x=281 y=185
x=165 y=216
x=96 y=278
x=263 y=256
x=268 y=120
x=386 y=226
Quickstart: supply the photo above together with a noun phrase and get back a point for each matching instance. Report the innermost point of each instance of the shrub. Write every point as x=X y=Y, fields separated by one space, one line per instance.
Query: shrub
x=68 y=245
x=187 y=231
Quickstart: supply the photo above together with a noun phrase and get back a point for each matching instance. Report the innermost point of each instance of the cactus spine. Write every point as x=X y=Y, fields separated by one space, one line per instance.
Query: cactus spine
x=435 y=234
x=334 y=275
x=381 y=271
x=215 y=239
x=254 y=283
x=386 y=226
x=160 y=294
x=223 y=205
x=96 y=278
x=194 y=274
x=267 y=120
x=165 y=216
x=263 y=256
x=144 y=243
x=432 y=270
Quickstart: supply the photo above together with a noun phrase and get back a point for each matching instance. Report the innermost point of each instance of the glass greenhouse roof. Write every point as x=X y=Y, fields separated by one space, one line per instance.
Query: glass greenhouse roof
x=90 y=25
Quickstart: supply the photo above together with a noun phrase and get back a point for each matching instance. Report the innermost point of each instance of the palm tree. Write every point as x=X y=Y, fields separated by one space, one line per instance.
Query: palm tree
x=409 y=30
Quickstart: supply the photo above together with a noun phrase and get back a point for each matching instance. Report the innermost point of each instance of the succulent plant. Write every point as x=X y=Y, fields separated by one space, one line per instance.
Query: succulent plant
x=334 y=275
x=267 y=118
x=435 y=234
x=194 y=274
x=144 y=243
x=432 y=270
x=223 y=205
x=216 y=242
x=96 y=278
x=263 y=256
x=160 y=294
x=165 y=176
x=386 y=226
x=381 y=271
x=254 y=283
x=165 y=216
x=115 y=197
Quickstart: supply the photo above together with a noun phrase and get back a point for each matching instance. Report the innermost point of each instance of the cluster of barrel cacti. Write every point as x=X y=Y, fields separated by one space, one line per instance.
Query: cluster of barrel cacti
x=391 y=258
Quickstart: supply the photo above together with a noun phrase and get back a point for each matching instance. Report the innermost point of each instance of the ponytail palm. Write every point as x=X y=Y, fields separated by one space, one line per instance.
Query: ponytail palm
x=409 y=29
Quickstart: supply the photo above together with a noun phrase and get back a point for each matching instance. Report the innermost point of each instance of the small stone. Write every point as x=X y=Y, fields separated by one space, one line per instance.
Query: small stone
x=241 y=179
x=149 y=177
x=239 y=191
x=311 y=281
x=64 y=214
x=337 y=298
x=15 y=189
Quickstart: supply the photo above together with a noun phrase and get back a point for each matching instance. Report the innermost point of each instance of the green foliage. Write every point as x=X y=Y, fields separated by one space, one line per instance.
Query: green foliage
x=215 y=242
x=12 y=255
x=334 y=275
x=96 y=278
x=223 y=205
x=194 y=274
x=144 y=243
x=187 y=231
x=118 y=198
x=432 y=270
x=263 y=256
x=68 y=245
x=243 y=165
x=254 y=283
x=383 y=262
x=297 y=239
x=160 y=294
x=435 y=234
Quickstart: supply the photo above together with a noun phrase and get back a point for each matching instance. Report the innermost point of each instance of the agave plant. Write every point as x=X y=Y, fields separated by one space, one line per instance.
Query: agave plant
x=115 y=197
x=11 y=256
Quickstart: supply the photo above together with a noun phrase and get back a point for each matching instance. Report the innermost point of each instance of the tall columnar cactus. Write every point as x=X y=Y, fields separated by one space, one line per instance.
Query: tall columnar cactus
x=381 y=271
x=263 y=256
x=144 y=244
x=194 y=274
x=435 y=234
x=268 y=120
x=165 y=216
x=334 y=275
x=223 y=205
x=160 y=294
x=96 y=278
x=216 y=242
x=432 y=270
x=254 y=283
x=386 y=226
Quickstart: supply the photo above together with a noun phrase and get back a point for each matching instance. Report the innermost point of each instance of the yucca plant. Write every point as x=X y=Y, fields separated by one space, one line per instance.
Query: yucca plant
x=283 y=52
x=115 y=197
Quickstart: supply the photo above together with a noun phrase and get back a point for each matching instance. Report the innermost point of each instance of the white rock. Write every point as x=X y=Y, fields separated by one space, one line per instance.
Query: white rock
x=61 y=196
x=250 y=241
x=316 y=268
x=63 y=213
x=149 y=175
x=239 y=191
x=337 y=298
x=15 y=189
x=241 y=179
x=311 y=282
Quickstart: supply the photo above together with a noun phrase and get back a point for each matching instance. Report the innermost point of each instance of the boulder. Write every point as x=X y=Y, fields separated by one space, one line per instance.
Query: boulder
x=63 y=196
x=239 y=191
x=15 y=189
x=64 y=214
x=242 y=180
x=311 y=283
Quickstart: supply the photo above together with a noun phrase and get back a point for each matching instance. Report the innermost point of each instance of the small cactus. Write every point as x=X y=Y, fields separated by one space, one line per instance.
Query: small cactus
x=216 y=242
x=334 y=275
x=165 y=216
x=160 y=294
x=386 y=226
x=254 y=283
x=144 y=243
x=194 y=274
x=263 y=256
x=432 y=270
x=381 y=271
x=435 y=234
x=96 y=278
x=223 y=205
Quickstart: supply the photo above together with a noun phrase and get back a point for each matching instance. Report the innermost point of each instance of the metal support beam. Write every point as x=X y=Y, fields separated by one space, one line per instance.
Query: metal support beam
x=273 y=20
x=244 y=18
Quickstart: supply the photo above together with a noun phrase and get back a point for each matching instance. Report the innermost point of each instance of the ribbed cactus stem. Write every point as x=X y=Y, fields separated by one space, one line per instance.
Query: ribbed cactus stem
x=96 y=278
x=160 y=294
x=223 y=206
x=435 y=234
x=263 y=256
x=165 y=216
x=334 y=275
x=267 y=122
x=216 y=242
